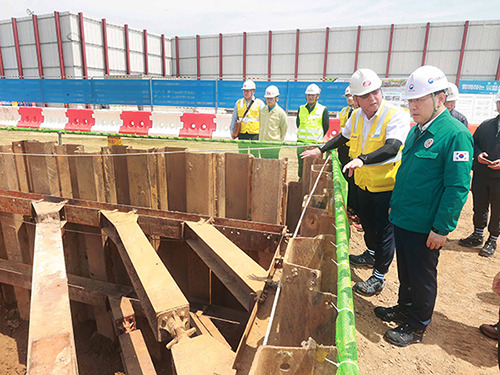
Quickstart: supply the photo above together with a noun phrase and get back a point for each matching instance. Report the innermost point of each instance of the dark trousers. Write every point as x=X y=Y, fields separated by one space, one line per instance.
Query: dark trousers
x=417 y=272
x=352 y=194
x=244 y=149
x=379 y=235
x=486 y=192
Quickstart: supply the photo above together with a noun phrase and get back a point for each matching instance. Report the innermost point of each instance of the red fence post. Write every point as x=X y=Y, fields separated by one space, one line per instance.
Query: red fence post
x=389 y=52
x=424 y=54
x=105 y=46
x=18 y=49
x=82 y=44
x=146 y=67
x=37 y=43
x=59 y=45
x=177 y=56
x=297 y=38
x=220 y=56
x=244 y=56
x=462 y=51
x=127 y=50
x=326 y=52
x=269 y=54
x=357 y=49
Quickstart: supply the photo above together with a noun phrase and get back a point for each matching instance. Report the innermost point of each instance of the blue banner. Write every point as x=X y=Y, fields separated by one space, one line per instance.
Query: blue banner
x=158 y=92
x=479 y=87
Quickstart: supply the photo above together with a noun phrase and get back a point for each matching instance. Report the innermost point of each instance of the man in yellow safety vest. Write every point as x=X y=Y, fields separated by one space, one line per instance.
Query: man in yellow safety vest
x=376 y=132
x=246 y=117
x=312 y=121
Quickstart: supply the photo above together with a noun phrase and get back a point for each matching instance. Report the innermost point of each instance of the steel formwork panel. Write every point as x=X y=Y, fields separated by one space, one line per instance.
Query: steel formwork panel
x=28 y=57
x=404 y=62
x=6 y=35
x=136 y=62
x=232 y=66
x=471 y=70
x=408 y=39
x=209 y=47
x=445 y=37
x=340 y=65
x=136 y=40
x=282 y=66
x=284 y=44
x=342 y=40
x=187 y=48
x=232 y=45
x=257 y=44
x=481 y=37
x=375 y=39
x=47 y=29
x=447 y=61
x=154 y=45
x=116 y=37
x=312 y=42
x=375 y=61
x=117 y=61
x=25 y=31
x=154 y=64
x=188 y=68
x=95 y=59
x=209 y=65
x=93 y=31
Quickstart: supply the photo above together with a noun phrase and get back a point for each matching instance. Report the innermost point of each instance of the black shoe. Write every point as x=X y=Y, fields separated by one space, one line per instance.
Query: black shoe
x=489 y=248
x=475 y=239
x=364 y=259
x=404 y=335
x=369 y=287
x=391 y=314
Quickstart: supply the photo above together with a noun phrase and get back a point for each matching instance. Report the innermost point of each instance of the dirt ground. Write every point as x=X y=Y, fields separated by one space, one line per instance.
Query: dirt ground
x=451 y=345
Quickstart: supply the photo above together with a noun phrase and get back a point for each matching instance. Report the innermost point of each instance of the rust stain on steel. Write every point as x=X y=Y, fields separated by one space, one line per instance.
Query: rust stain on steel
x=51 y=346
x=158 y=293
x=236 y=270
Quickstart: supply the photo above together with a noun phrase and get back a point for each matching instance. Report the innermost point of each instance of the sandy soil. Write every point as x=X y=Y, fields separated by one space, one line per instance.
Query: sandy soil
x=452 y=343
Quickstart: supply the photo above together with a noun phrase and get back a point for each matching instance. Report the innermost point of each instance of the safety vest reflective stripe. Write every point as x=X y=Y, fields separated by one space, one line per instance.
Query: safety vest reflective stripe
x=311 y=124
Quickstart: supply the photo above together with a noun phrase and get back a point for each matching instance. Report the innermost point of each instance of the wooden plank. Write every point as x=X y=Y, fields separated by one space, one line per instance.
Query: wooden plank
x=142 y=178
x=135 y=354
x=81 y=289
x=268 y=178
x=235 y=269
x=160 y=296
x=237 y=185
x=175 y=159
x=200 y=185
x=51 y=345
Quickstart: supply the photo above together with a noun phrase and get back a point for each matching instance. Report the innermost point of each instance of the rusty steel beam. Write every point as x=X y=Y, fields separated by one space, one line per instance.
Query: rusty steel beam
x=244 y=277
x=247 y=235
x=81 y=289
x=51 y=344
x=135 y=355
x=160 y=296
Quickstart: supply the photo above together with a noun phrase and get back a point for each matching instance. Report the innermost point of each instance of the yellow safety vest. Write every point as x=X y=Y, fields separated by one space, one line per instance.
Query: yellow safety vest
x=343 y=117
x=380 y=176
x=250 y=124
x=310 y=124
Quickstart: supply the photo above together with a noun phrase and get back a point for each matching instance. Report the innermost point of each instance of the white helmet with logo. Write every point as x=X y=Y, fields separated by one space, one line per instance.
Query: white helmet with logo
x=452 y=93
x=425 y=80
x=272 y=92
x=364 y=81
x=347 y=91
x=248 y=85
x=313 y=89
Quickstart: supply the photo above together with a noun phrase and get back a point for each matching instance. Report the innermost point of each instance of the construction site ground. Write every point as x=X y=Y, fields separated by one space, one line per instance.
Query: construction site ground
x=451 y=345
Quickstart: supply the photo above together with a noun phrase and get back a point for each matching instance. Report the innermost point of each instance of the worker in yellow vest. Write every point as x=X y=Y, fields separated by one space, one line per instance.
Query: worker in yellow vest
x=343 y=152
x=376 y=132
x=312 y=121
x=246 y=118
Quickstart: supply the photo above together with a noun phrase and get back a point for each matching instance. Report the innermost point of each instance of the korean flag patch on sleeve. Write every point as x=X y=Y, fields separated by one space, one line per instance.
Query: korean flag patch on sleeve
x=460 y=155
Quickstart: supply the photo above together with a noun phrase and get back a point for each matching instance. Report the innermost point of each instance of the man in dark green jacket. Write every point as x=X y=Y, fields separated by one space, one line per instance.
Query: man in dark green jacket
x=431 y=188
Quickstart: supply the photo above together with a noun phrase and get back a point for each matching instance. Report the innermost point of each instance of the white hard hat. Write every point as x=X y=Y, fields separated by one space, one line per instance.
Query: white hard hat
x=497 y=96
x=425 y=80
x=364 y=81
x=347 y=91
x=313 y=89
x=248 y=85
x=452 y=93
x=272 y=92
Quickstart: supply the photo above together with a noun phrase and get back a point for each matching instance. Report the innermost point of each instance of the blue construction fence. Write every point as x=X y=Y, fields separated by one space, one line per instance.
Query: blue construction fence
x=160 y=92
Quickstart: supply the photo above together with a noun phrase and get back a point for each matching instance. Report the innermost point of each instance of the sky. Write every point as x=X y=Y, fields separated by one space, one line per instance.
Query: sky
x=188 y=17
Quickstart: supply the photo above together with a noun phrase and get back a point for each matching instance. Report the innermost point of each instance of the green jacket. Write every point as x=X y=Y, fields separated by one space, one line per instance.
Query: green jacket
x=434 y=177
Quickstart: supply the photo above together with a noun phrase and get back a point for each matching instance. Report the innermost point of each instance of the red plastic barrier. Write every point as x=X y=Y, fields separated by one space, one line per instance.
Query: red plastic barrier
x=31 y=117
x=136 y=122
x=333 y=130
x=197 y=125
x=79 y=119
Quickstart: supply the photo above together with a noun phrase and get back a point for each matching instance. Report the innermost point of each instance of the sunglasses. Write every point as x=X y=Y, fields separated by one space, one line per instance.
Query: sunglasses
x=365 y=96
